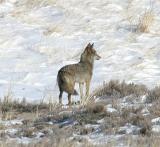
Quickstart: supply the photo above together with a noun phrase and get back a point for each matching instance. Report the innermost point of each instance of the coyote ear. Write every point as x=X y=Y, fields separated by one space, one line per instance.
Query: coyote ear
x=88 y=48
x=92 y=45
x=89 y=45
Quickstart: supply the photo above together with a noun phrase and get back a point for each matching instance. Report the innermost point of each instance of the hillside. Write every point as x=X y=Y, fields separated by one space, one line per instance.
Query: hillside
x=38 y=37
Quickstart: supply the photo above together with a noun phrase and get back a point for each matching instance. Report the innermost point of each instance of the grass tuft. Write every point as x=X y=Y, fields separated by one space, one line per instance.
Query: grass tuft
x=119 y=89
x=145 y=21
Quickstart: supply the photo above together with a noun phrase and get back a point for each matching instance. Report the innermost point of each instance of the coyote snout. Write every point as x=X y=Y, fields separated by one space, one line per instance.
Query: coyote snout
x=77 y=73
x=97 y=57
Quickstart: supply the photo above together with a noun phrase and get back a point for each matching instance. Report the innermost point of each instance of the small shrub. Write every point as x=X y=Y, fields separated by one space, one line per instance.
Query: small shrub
x=86 y=130
x=2 y=134
x=91 y=115
x=155 y=109
x=2 y=127
x=95 y=108
x=29 y=132
x=153 y=95
x=146 y=21
x=37 y=3
x=119 y=89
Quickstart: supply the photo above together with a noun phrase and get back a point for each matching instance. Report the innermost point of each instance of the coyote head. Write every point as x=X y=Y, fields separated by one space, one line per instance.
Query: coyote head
x=90 y=54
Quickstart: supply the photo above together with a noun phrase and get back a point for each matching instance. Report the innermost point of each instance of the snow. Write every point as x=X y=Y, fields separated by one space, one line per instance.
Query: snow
x=130 y=129
x=145 y=111
x=110 y=109
x=156 y=125
x=100 y=121
x=35 y=43
x=25 y=140
x=100 y=139
x=11 y=132
x=156 y=128
x=11 y=122
x=92 y=126
x=156 y=121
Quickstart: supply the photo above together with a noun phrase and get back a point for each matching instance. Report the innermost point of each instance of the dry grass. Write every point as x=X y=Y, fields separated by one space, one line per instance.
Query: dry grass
x=115 y=89
x=155 y=109
x=129 y=141
x=9 y=108
x=132 y=116
x=1 y=1
x=52 y=29
x=143 y=141
x=38 y=3
x=23 y=106
x=119 y=89
x=145 y=21
x=2 y=127
x=6 y=105
x=95 y=108
x=46 y=143
x=153 y=95
x=139 y=23
x=90 y=114
x=51 y=118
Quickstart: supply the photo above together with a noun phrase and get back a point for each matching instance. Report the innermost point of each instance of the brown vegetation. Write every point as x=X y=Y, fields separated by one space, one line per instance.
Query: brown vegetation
x=55 y=122
x=119 y=89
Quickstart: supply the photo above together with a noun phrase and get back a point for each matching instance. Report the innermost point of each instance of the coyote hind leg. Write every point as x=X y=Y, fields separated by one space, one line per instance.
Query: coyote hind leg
x=69 y=99
x=60 y=97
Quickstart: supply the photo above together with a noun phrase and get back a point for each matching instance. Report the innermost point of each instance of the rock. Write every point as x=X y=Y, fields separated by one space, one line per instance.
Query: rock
x=129 y=129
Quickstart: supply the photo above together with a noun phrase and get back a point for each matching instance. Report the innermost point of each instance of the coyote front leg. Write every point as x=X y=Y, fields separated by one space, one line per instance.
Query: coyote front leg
x=69 y=99
x=81 y=91
x=87 y=87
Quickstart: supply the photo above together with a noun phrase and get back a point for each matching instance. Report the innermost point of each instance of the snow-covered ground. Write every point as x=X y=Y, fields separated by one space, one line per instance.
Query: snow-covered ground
x=35 y=41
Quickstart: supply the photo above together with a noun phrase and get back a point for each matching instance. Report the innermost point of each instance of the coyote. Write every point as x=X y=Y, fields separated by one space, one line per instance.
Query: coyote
x=77 y=73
